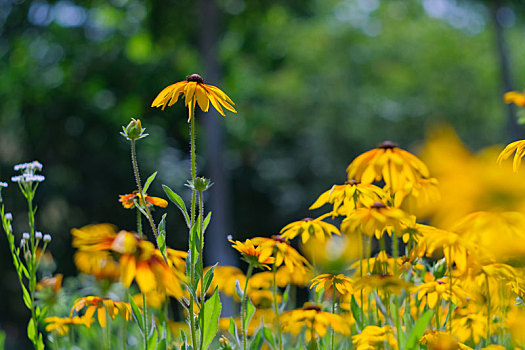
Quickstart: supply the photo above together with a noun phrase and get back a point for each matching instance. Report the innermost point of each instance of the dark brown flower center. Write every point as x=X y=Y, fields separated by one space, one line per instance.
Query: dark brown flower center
x=195 y=77
x=311 y=307
x=378 y=205
x=279 y=238
x=387 y=144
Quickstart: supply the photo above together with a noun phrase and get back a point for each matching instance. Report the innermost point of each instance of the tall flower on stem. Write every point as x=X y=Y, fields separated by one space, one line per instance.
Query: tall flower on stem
x=195 y=92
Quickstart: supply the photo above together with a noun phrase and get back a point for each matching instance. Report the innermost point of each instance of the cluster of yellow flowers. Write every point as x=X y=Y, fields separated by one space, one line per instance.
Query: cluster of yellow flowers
x=400 y=260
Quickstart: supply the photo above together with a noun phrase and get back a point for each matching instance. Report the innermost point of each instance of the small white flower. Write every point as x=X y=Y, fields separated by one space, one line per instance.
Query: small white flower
x=229 y=237
x=29 y=166
x=22 y=242
x=24 y=178
x=38 y=235
x=8 y=216
x=47 y=238
x=25 y=236
x=3 y=184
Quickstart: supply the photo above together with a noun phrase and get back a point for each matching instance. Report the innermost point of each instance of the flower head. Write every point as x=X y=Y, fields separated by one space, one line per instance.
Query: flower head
x=283 y=253
x=61 y=325
x=373 y=336
x=101 y=306
x=343 y=284
x=195 y=91
x=129 y=201
x=307 y=228
x=518 y=98
x=314 y=320
x=251 y=253
x=389 y=163
x=519 y=148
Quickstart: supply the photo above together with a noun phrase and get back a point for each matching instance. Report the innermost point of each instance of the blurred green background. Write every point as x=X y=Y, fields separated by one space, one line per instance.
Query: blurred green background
x=315 y=82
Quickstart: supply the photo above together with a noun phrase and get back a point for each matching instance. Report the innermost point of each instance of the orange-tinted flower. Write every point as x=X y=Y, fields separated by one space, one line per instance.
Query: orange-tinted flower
x=352 y=194
x=61 y=325
x=195 y=91
x=55 y=283
x=129 y=201
x=251 y=253
x=518 y=98
x=278 y=248
x=343 y=284
x=102 y=307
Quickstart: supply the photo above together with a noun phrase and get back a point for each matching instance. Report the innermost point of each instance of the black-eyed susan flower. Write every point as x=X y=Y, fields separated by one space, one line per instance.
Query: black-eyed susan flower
x=130 y=201
x=373 y=221
x=437 y=340
x=100 y=264
x=282 y=252
x=351 y=194
x=518 y=98
x=382 y=282
x=516 y=146
x=138 y=259
x=389 y=163
x=194 y=91
x=309 y=227
x=343 y=284
x=252 y=253
x=103 y=307
x=60 y=325
x=434 y=290
x=265 y=317
x=53 y=283
x=373 y=337
x=470 y=323
x=314 y=321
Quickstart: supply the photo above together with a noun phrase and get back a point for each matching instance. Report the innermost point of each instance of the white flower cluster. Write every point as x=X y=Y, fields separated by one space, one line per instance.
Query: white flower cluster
x=28 y=178
x=3 y=184
x=29 y=167
x=9 y=216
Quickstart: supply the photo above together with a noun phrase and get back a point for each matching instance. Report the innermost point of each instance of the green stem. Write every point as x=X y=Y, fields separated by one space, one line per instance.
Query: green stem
x=139 y=224
x=142 y=200
x=276 y=307
x=396 y=300
x=201 y=248
x=243 y=307
x=192 y=218
x=145 y=320
x=333 y=311
x=488 y=309
x=449 y=313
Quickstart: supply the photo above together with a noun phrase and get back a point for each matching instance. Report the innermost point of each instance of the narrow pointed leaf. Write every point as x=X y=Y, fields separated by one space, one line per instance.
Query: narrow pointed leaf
x=209 y=318
x=177 y=200
x=148 y=182
x=419 y=328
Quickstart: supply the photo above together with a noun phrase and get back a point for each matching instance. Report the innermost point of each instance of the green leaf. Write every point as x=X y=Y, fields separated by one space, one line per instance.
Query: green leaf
x=2 y=340
x=137 y=315
x=162 y=345
x=209 y=318
x=268 y=336
x=356 y=311
x=419 y=328
x=258 y=341
x=177 y=200
x=285 y=298
x=250 y=310
x=232 y=327
x=184 y=340
x=206 y=222
x=26 y=297
x=161 y=239
x=31 y=329
x=208 y=277
x=238 y=289
x=152 y=340
x=148 y=182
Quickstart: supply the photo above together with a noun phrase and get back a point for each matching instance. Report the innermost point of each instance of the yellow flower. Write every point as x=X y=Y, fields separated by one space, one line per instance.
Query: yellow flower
x=373 y=337
x=453 y=246
x=129 y=200
x=195 y=91
x=373 y=221
x=225 y=278
x=470 y=323
x=61 y=325
x=54 y=283
x=395 y=166
x=283 y=253
x=260 y=316
x=102 y=307
x=314 y=320
x=343 y=284
x=251 y=253
x=436 y=290
x=138 y=260
x=352 y=194
x=283 y=277
x=386 y=283
x=308 y=227
x=100 y=264
x=516 y=146
x=436 y=340
x=515 y=97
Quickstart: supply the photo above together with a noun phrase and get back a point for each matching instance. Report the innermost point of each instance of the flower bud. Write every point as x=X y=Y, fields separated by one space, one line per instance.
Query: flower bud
x=26 y=236
x=201 y=184
x=8 y=216
x=47 y=238
x=134 y=130
x=22 y=242
x=38 y=235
